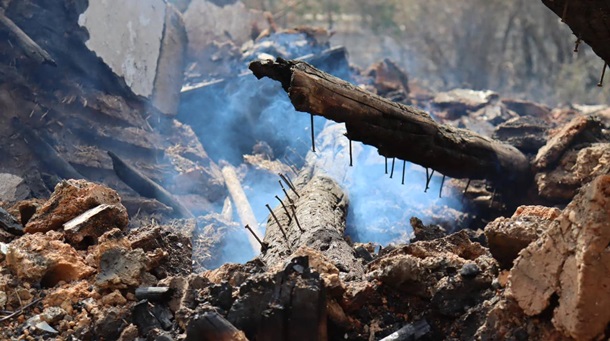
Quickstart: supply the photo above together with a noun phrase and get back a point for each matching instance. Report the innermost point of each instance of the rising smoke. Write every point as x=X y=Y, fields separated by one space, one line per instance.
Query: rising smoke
x=234 y=115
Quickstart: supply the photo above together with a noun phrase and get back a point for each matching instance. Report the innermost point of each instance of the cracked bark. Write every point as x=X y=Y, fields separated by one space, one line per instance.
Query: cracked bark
x=397 y=130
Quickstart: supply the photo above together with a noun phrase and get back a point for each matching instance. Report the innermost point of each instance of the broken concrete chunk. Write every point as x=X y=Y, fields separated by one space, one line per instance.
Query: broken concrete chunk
x=564 y=138
x=171 y=63
x=127 y=36
x=570 y=261
x=428 y=269
x=120 y=268
x=70 y=199
x=507 y=236
x=576 y=168
x=37 y=258
x=90 y=225
x=13 y=188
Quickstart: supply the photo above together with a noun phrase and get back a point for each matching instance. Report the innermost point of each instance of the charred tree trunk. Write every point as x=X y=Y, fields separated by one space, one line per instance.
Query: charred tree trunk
x=397 y=130
x=315 y=219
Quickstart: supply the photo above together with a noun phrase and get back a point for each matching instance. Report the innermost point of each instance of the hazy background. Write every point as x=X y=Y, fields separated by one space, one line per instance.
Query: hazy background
x=518 y=48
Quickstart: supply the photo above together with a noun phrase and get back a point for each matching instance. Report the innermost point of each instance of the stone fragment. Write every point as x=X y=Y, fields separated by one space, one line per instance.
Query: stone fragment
x=430 y=270
x=507 y=236
x=9 y=224
x=85 y=229
x=120 y=268
x=70 y=199
x=570 y=261
x=127 y=37
x=564 y=138
x=506 y=321
x=171 y=63
x=13 y=188
x=527 y=108
x=576 y=168
x=114 y=298
x=37 y=258
x=130 y=333
x=458 y=102
x=205 y=22
x=526 y=133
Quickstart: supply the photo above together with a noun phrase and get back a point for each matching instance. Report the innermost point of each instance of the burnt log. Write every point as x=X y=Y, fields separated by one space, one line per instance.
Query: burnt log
x=398 y=131
x=317 y=221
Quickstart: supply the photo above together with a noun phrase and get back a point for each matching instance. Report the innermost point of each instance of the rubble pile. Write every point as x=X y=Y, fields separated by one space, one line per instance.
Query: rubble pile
x=116 y=223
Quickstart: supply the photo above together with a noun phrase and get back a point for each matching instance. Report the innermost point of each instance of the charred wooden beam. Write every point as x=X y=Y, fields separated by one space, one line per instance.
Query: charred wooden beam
x=144 y=186
x=397 y=130
x=45 y=152
x=29 y=46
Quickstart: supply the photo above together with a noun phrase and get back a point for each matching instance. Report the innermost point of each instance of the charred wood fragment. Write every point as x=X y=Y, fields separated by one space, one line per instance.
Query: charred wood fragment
x=29 y=46
x=398 y=131
x=45 y=152
x=144 y=186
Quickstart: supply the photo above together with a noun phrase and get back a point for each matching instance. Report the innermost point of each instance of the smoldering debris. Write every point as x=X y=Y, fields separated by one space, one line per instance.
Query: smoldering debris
x=340 y=243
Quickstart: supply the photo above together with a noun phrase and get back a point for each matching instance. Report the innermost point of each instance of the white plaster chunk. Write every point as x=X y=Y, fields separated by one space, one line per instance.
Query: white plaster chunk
x=127 y=36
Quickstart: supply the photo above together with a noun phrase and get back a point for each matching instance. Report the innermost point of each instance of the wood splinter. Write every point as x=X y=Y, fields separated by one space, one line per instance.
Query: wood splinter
x=264 y=245
x=277 y=222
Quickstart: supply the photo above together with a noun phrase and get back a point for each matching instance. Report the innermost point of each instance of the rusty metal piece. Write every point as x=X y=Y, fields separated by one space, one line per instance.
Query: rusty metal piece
x=601 y=80
x=264 y=246
x=277 y=222
x=289 y=183
x=428 y=179
x=386 y=165
x=294 y=212
x=284 y=206
x=313 y=136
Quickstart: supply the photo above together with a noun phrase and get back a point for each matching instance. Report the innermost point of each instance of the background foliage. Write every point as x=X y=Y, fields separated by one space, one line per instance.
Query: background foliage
x=518 y=48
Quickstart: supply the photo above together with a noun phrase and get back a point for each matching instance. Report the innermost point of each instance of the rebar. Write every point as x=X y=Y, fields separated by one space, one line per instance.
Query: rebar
x=392 y=172
x=313 y=136
x=277 y=222
x=404 y=165
x=601 y=80
x=440 y=192
x=264 y=246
